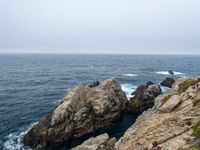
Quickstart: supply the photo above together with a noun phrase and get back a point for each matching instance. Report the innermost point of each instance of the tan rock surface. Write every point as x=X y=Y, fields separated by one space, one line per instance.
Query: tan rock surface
x=169 y=124
x=82 y=111
x=170 y=104
x=101 y=142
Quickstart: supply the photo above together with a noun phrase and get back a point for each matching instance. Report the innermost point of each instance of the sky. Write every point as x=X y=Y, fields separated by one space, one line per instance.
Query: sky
x=100 y=26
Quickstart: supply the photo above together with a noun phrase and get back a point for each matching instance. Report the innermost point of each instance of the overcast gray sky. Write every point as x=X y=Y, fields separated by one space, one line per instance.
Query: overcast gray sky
x=103 y=26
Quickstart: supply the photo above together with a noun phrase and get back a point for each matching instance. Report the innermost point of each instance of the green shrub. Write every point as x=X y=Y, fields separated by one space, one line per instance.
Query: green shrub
x=192 y=148
x=185 y=85
x=196 y=130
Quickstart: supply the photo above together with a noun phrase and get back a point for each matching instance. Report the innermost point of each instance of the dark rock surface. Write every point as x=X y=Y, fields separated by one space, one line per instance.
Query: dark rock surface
x=144 y=97
x=94 y=84
x=168 y=82
x=171 y=72
x=140 y=89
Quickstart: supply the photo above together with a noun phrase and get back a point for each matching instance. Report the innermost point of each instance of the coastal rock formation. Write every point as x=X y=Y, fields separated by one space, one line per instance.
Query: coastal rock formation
x=172 y=124
x=144 y=97
x=82 y=111
x=168 y=82
x=171 y=72
x=94 y=84
x=101 y=142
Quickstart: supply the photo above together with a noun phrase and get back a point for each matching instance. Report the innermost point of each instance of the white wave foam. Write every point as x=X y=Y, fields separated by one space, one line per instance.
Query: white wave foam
x=167 y=73
x=130 y=75
x=165 y=89
x=13 y=141
x=128 y=89
x=178 y=73
x=163 y=72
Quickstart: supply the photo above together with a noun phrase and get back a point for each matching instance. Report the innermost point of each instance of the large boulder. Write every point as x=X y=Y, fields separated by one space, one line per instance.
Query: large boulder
x=168 y=82
x=144 y=97
x=140 y=89
x=172 y=124
x=101 y=142
x=82 y=111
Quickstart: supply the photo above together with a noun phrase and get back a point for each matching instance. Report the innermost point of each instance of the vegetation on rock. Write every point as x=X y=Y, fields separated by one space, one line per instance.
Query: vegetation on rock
x=186 y=84
x=192 y=148
x=196 y=130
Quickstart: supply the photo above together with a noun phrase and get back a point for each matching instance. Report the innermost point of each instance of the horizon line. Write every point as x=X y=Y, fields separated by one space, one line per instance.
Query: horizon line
x=13 y=53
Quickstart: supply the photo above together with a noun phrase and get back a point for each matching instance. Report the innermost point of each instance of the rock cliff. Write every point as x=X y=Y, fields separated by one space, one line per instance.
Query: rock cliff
x=172 y=124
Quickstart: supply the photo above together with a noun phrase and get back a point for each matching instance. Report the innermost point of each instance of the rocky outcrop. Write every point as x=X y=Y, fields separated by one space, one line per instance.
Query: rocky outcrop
x=171 y=72
x=144 y=97
x=94 y=84
x=82 y=111
x=172 y=124
x=168 y=82
x=101 y=142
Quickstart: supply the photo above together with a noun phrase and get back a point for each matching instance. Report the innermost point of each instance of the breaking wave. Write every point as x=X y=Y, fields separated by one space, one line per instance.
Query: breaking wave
x=167 y=73
x=128 y=89
x=165 y=89
x=130 y=75
x=14 y=140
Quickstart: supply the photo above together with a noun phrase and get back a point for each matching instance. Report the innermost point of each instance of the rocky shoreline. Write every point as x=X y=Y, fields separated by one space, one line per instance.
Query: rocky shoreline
x=168 y=121
x=171 y=124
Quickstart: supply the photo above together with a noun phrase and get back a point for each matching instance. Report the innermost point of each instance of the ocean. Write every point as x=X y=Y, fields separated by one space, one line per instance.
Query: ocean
x=31 y=85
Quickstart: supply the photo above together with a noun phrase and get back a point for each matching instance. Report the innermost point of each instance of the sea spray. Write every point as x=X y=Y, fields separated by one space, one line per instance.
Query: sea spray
x=128 y=89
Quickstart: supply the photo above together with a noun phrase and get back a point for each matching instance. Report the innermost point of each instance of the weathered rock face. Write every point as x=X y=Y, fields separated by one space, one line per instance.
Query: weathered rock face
x=173 y=123
x=170 y=104
x=144 y=97
x=140 y=89
x=168 y=82
x=101 y=142
x=82 y=111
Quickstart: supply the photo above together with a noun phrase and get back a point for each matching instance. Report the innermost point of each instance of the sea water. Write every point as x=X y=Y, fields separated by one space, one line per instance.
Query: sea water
x=31 y=85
